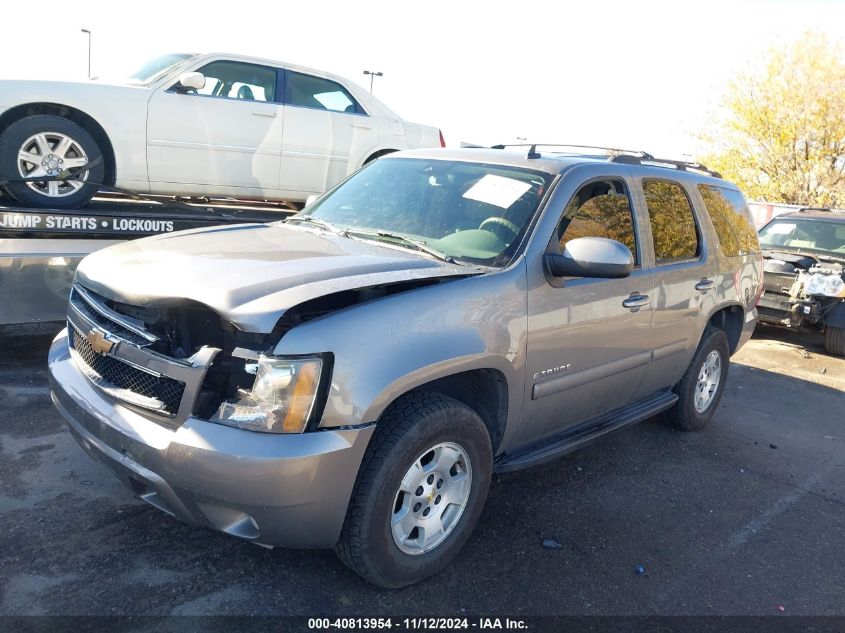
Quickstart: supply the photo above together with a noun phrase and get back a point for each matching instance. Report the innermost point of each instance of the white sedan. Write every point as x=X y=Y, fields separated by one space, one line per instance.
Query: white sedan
x=196 y=125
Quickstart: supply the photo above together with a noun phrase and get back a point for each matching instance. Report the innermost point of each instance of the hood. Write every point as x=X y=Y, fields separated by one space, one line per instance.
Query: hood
x=250 y=274
x=801 y=254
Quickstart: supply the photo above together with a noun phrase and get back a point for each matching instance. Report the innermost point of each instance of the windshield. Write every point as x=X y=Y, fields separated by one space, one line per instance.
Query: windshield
x=801 y=234
x=156 y=67
x=465 y=211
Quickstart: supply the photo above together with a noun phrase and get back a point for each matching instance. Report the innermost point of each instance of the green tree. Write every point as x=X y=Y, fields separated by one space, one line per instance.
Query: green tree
x=780 y=134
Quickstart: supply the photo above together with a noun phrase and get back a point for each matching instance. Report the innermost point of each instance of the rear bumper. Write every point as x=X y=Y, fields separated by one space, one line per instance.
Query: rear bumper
x=748 y=326
x=279 y=490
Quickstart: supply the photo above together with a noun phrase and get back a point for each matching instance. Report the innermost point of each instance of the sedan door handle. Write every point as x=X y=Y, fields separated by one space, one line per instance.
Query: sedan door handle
x=362 y=126
x=269 y=115
x=704 y=285
x=636 y=301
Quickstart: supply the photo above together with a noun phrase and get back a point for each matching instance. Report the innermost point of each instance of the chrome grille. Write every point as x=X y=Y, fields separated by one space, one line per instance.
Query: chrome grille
x=115 y=353
x=123 y=376
x=78 y=302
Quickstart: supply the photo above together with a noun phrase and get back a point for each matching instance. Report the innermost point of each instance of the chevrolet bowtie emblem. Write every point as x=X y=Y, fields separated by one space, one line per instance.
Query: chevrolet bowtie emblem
x=99 y=342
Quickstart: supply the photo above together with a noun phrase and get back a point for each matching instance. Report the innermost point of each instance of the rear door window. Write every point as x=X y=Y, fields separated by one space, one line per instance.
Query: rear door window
x=673 y=226
x=323 y=94
x=731 y=220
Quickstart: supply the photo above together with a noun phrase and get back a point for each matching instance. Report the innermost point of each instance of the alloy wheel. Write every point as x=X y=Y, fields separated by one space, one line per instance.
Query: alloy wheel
x=431 y=498
x=47 y=154
x=708 y=381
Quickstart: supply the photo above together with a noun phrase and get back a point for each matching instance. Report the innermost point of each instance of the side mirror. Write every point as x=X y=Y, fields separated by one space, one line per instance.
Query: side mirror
x=190 y=81
x=591 y=257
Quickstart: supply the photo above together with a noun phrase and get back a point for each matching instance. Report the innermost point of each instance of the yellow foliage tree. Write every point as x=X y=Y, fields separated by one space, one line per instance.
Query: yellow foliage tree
x=781 y=132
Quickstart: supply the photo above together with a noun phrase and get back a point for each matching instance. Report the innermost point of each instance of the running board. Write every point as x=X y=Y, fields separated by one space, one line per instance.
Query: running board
x=583 y=433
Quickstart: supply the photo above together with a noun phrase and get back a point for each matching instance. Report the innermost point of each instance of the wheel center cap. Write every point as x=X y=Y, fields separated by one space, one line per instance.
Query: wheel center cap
x=53 y=164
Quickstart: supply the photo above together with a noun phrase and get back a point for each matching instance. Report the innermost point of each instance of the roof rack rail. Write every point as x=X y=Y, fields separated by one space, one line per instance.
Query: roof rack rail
x=681 y=165
x=533 y=153
x=811 y=209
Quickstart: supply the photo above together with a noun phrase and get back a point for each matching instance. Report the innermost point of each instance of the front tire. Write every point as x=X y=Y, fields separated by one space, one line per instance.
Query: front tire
x=44 y=145
x=834 y=340
x=420 y=490
x=701 y=388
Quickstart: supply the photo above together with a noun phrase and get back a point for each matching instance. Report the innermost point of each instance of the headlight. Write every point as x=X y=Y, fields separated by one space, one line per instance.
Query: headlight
x=828 y=285
x=835 y=286
x=281 y=399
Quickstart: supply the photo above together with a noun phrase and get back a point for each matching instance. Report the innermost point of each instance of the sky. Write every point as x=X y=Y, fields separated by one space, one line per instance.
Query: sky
x=639 y=74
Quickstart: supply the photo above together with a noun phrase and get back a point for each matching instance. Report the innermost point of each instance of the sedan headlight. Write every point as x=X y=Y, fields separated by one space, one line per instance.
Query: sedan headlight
x=281 y=399
x=827 y=285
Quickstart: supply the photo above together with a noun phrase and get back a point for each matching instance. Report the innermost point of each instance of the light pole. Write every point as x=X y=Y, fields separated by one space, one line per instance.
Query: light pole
x=373 y=74
x=89 y=51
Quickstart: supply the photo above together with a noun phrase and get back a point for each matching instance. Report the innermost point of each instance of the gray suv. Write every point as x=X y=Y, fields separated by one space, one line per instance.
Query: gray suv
x=352 y=377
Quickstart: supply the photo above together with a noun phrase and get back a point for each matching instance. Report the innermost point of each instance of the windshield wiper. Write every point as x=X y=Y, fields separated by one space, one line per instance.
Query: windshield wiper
x=331 y=228
x=418 y=245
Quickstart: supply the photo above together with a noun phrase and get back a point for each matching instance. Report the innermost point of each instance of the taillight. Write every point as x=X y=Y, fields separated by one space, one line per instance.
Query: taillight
x=761 y=264
x=442 y=140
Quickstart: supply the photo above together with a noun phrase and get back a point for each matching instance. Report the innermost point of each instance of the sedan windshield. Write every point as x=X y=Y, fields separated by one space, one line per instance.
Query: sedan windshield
x=156 y=67
x=455 y=210
x=804 y=234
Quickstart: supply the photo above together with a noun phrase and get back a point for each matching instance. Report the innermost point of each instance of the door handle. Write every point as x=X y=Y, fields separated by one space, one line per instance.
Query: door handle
x=362 y=126
x=704 y=285
x=269 y=115
x=636 y=301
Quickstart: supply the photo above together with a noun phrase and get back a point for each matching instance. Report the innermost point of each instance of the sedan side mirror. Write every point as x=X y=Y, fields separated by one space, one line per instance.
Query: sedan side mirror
x=190 y=81
x=591 y=257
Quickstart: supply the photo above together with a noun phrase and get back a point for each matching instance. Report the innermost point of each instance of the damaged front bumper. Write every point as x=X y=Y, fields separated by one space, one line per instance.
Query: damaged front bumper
x=288 y=490
x=795 y=312
x=778 y=309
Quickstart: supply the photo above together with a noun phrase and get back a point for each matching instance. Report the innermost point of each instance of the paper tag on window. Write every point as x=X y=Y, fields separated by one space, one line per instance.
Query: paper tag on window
x=782 y=228
x=497 y=190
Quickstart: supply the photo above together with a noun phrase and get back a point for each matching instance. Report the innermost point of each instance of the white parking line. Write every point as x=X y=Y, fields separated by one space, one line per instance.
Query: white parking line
x=741 y=536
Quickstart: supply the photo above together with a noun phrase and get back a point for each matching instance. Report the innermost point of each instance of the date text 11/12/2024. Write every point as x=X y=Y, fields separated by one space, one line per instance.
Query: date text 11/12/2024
x=417 y=624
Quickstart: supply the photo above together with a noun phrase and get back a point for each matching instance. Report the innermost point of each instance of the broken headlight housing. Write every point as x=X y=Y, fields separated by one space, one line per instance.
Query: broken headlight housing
x=281 y=399
x=827 y=285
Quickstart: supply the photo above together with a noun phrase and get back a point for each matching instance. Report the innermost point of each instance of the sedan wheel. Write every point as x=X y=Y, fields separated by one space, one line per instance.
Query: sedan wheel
x=47 y=154
x=47 y=145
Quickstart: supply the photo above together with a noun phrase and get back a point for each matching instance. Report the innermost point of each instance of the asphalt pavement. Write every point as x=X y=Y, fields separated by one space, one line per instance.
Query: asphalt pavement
x=746 y=517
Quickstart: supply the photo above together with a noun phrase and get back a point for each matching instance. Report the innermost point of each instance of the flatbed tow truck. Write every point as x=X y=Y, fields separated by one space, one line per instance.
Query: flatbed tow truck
x=40 y=248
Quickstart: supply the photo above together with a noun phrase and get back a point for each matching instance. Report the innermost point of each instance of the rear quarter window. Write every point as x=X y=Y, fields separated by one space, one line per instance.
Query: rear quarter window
x=731 y=220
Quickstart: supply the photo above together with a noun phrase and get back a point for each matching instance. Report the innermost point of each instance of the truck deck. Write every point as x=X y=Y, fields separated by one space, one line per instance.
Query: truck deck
x=40 y=248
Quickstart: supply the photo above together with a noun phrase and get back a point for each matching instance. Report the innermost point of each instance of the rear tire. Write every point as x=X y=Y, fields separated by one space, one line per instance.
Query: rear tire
x=376 y=540
x=700 y=390
x=52 y=143
x=834 y=340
